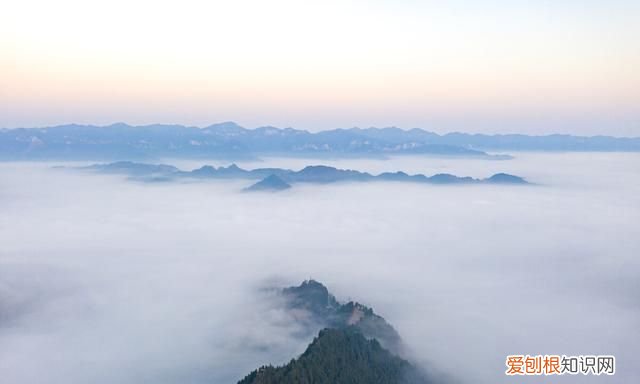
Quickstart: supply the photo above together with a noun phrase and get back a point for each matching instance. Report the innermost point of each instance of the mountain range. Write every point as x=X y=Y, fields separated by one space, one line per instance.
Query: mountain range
x=280 y=178
x=230 y=141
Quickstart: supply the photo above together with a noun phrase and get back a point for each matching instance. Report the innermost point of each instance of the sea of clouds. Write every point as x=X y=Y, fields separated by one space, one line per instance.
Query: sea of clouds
x=106 y=280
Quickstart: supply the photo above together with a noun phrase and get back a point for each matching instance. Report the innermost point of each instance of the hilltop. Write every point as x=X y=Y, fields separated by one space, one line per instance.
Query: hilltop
x=354 y=345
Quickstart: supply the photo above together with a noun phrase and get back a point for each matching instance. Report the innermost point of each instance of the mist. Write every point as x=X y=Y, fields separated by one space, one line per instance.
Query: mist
x=105 y=280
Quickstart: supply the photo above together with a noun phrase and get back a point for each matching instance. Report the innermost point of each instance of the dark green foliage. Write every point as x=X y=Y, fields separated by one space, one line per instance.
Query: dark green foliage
x=340 y=356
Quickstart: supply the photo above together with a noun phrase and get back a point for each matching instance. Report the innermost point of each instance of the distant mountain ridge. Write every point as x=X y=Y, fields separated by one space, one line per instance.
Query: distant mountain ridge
x=229 y=140
x=277 y=178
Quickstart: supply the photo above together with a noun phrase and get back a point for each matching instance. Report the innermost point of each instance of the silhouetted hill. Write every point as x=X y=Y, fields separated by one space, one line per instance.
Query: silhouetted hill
x=340 y=356
x=325 y=174
x=504 y=178
x=270 y=183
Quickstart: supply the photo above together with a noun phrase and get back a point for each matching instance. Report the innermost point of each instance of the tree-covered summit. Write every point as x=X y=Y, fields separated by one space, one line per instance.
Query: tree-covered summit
x=340 y=356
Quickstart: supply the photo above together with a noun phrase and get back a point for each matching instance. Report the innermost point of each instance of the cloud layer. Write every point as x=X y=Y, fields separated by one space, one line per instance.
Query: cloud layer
x=104 y=280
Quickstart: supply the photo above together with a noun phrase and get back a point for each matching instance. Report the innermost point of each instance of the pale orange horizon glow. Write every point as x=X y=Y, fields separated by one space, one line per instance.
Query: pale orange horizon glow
x=495 y=67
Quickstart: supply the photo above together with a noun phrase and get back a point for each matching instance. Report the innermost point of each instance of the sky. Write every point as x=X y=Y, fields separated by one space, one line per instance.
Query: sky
x=475 y=66
x=163 y=282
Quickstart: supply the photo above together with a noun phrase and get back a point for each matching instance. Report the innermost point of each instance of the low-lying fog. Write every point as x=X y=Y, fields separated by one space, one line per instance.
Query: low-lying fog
x=104 y=280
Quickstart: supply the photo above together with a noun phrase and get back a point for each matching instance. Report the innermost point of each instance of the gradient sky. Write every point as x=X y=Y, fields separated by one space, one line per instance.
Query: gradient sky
x=478 y=66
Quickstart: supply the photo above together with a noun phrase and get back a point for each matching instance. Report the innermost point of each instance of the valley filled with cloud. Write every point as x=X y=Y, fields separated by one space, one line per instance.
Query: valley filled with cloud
x=106 y=280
